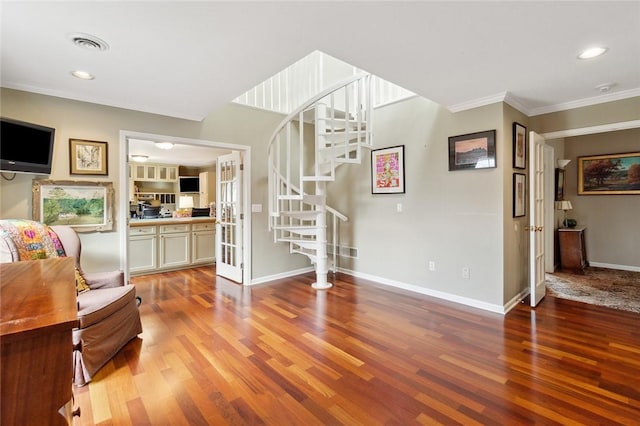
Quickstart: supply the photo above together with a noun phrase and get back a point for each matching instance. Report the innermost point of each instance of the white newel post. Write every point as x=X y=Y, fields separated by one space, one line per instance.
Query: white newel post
x=322 y=265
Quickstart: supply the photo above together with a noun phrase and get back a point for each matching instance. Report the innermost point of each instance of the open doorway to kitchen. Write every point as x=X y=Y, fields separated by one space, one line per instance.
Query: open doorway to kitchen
x=193 y=154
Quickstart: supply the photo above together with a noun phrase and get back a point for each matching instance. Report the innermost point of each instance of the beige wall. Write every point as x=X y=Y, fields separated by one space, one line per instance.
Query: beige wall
x=612 y=221
x=452 y=218
x=72 y=119
x=594 y=115
x=516 y=238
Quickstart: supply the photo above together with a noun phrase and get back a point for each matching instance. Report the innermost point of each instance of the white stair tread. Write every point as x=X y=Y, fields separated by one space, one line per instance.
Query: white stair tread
x=301 y=214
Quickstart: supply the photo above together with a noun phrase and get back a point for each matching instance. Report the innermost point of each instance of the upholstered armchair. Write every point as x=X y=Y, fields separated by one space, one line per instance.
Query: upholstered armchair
x=108 y=314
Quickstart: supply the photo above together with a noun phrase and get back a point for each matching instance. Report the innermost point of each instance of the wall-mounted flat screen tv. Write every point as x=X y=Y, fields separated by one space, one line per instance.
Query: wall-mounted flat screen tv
x=189 y=184
x=25 y=147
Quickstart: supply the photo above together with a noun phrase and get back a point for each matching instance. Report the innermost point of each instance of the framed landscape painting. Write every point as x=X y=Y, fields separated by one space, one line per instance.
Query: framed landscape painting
x=473 y=151
x=85 y=206
x=609 y=174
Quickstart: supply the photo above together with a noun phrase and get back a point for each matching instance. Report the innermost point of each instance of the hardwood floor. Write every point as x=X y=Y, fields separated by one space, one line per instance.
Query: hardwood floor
x=213 y=352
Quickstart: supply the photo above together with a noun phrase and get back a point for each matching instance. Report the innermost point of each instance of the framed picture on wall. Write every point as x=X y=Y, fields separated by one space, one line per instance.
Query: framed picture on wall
x=85 y=206
x=559 y=184
x=519 y=194
x=88 y=157
x=387 y=170
x=519 y=146
x=609 y=174
x=473 y=151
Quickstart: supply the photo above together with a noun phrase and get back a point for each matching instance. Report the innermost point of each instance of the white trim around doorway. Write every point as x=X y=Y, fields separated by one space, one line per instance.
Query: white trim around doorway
x=123 y=211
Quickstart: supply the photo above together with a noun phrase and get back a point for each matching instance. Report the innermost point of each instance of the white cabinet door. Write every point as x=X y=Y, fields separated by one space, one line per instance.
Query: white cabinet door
x=167 y=173
x=174 y=246
x=207 y=188
x=203 y=243
x=142 y=249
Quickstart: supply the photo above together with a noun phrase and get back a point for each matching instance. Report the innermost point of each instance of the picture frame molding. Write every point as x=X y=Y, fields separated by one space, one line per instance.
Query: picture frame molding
x=400 y=173
x=519 y=161
x=455 y=141
x=583 y=188
x=40 y=190
x=519 y=204
x=102 y=166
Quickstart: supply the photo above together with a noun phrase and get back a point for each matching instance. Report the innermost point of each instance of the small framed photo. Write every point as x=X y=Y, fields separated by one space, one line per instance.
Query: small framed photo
x=559 y=185
x=387 y=170
x=473 y=151
x=519 y=146
x=88 y=157
x=519 y=194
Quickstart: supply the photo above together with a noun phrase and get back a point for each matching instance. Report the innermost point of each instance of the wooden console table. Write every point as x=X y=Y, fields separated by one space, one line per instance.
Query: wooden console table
x=573 y=251
x=38 y=311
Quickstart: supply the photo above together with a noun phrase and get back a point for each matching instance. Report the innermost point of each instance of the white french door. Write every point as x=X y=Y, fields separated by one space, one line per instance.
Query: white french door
x=536 y=218
x=229 y=217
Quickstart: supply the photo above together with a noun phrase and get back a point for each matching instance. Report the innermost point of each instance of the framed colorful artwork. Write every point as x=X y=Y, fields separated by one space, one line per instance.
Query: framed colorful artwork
x=387 y=170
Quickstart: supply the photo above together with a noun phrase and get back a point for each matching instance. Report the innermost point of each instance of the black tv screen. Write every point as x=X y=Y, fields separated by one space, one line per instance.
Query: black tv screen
x=25 y=147
x=189 y=184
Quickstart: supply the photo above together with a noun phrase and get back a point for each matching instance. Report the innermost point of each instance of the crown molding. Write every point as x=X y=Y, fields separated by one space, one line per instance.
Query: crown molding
x=521 y=106
x=476 y=103
x=609 y=97
x=603 y=128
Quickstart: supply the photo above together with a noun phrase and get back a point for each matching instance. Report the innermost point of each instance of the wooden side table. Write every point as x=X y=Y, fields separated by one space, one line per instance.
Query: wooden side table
x=38 y=313
x=573 y=251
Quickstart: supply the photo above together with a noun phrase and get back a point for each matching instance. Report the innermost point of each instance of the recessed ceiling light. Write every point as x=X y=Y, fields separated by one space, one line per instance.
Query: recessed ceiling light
x=164 y=145
x=82 y=75
x=592 y=52
x=139 y=158
x=604 y=88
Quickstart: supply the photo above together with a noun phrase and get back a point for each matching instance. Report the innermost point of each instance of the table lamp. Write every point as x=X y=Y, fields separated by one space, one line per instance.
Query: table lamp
x=564 y=205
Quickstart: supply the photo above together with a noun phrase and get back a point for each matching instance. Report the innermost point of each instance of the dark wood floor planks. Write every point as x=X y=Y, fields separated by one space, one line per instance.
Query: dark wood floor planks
x=213 y=352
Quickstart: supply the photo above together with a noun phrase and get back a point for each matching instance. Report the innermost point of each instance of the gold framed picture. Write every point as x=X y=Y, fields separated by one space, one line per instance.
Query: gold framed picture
x=88 y=157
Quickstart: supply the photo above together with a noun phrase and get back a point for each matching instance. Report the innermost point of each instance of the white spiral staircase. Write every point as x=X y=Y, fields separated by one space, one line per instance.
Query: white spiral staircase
x=300 y=168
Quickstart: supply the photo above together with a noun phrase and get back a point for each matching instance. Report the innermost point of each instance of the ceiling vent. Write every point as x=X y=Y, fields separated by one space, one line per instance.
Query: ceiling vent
x=87 y=41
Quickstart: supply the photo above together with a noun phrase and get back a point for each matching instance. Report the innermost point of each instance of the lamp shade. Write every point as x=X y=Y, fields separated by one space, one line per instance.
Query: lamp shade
x=562 y=163
x=564 y=205
x=185 y=202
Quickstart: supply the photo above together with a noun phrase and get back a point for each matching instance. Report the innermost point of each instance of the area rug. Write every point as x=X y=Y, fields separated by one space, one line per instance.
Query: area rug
x=598 y=286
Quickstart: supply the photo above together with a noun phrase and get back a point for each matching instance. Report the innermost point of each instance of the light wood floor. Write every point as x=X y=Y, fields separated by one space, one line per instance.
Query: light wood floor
x=213 y=352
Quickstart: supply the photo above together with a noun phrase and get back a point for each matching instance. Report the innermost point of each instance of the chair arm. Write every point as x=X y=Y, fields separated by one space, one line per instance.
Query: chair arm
x=110 y=279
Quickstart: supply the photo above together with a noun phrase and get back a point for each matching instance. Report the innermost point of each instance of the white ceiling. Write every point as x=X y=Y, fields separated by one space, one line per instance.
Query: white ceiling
x=187 y=59
x=181 y=154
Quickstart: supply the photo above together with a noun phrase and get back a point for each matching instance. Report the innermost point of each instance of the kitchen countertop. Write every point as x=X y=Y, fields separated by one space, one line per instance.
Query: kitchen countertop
x=170 y=220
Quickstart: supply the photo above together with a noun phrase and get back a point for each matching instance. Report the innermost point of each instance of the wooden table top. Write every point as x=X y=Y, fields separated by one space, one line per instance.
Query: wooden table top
x=36 y=295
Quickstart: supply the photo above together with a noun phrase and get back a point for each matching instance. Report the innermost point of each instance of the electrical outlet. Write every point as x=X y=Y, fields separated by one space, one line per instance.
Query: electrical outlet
x=432 y=265
x=465 y=272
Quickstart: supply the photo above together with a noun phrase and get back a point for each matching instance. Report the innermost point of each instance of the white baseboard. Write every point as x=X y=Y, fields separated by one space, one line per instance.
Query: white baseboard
x=516 y=300
x=614 y=266
x=267 y=278
x=429 y=292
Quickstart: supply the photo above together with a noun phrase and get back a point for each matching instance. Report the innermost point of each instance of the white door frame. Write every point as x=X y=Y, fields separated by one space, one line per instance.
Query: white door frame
x=549 y=209
x=123 y=211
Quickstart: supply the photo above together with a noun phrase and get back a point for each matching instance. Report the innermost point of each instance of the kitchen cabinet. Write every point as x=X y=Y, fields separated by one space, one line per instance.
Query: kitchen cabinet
x=144 y=171
x=153 y=172
x=142 y=249
x=207 y=188
x=203 y=243
x=170 y=244
x=174 y=246
x=167 y=173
